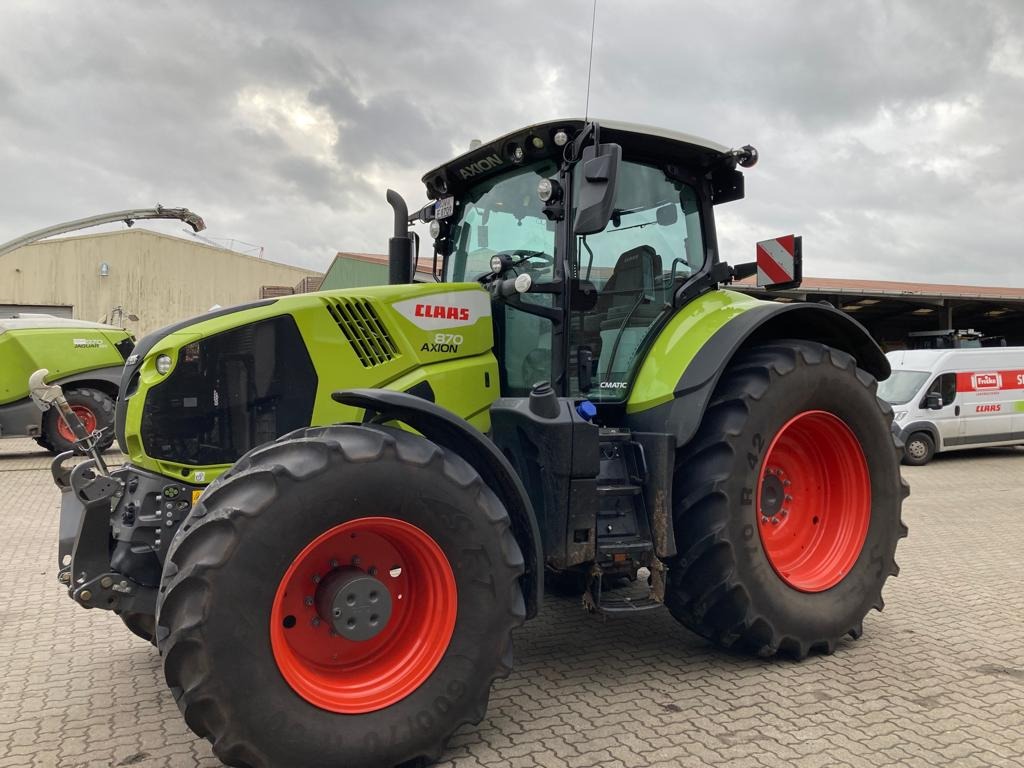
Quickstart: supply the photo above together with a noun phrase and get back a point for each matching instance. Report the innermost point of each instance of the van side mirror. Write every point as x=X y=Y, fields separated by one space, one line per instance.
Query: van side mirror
x=933 y=401
x=599 y=174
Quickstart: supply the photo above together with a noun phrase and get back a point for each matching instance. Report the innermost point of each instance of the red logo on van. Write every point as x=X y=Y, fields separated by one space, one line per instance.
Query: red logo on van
x=987 y=381
x=988 y=408
x=445 y=313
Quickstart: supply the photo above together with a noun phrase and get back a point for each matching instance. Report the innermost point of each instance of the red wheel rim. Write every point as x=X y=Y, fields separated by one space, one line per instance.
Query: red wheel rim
x=814 y=501
x=342 y=675
x=85 y=415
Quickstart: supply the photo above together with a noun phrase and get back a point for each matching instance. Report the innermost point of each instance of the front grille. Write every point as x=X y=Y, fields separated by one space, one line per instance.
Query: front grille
x=230 y=392
x=361 y=325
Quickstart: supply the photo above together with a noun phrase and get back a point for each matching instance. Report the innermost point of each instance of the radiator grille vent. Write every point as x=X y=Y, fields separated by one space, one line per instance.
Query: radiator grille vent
x=361 y=325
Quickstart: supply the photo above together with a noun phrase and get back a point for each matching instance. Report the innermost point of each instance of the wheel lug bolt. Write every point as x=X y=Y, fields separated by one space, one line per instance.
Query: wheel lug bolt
x=316 y=578
x=355 y=560
x=315 y=621
x=373 y=570
x=775 y=521
x=784 y=512
x=309 y=600
x=786 y=482
x=334 y=563
x=764 y=519
x=789 y=498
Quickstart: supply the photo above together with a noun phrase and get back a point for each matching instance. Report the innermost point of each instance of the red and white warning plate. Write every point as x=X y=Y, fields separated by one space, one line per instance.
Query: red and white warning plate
x=777 y=261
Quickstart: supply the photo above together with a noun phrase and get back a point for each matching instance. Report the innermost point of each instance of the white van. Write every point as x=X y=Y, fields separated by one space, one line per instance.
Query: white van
x=945 y=399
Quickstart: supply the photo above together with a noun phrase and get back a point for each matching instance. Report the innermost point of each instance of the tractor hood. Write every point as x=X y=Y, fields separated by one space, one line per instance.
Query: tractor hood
x=199 y=394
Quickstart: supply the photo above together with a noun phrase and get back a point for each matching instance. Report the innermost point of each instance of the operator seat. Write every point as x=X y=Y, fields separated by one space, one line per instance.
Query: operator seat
x=637 y=273
x=638 y=269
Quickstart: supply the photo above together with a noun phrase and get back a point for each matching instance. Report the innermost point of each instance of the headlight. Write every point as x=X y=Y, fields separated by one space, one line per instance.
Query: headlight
x=899 y=416
x=435 y=228
x=163 y=364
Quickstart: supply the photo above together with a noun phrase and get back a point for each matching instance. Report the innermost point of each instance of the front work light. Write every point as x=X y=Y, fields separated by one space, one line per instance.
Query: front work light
x=163 y=364
x=435 y=228
x=548 y=190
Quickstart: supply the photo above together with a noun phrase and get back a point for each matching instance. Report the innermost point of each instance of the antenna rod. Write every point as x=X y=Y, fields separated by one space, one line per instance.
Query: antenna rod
x=590 y=64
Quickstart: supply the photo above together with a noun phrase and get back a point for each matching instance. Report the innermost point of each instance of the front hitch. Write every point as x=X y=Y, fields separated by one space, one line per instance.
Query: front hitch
x=46 y=396
x=88 y=495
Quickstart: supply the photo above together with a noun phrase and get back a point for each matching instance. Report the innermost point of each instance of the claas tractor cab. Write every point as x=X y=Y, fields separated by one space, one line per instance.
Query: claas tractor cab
x=338 y=506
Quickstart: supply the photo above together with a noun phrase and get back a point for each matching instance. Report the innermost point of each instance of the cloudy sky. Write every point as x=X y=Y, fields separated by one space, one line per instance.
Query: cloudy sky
x=891 y=133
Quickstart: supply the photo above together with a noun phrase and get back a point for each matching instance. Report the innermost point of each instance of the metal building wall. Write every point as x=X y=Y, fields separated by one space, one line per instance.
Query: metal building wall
x=161 y=279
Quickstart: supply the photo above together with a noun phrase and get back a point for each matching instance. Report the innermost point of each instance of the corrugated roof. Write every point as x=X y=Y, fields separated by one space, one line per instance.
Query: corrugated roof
x=895 y=289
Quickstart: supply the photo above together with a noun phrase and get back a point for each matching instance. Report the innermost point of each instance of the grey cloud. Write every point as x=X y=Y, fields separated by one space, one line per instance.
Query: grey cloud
x=126 y=104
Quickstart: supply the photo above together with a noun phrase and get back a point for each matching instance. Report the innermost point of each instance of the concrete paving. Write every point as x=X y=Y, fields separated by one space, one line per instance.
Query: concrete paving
x=937 y=678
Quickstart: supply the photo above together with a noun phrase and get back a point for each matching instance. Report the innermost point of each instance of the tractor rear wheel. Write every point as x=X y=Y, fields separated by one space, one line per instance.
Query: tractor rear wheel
x=787 y=504
x=343 y=596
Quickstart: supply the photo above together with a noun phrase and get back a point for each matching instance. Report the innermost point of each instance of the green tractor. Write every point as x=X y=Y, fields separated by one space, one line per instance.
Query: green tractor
x=338 y=506
x=85 y=358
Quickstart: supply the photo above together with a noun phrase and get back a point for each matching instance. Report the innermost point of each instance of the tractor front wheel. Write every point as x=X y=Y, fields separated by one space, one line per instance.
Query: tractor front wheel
x=343 y=596
x=788 y=502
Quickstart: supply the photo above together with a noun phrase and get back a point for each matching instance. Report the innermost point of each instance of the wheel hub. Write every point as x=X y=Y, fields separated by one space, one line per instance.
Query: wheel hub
x=354 y=603
x=363 y=615
x=814 y=501
x=773 y=493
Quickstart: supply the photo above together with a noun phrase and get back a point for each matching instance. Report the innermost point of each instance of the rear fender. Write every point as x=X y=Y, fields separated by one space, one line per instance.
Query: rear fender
x=679 y=410
x=455 y=434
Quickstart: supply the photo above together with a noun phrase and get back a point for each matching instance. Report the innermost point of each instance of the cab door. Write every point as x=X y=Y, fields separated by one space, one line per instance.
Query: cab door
x=948 y=417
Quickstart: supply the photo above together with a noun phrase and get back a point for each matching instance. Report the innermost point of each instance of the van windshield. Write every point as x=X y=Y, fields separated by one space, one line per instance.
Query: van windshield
x=901 y=386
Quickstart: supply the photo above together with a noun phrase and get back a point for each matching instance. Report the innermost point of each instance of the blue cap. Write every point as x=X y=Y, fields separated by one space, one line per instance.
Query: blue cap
x=587 y=410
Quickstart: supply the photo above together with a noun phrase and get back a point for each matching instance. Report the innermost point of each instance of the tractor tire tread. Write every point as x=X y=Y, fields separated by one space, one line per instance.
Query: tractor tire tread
x=705 y=594
x=185 y=591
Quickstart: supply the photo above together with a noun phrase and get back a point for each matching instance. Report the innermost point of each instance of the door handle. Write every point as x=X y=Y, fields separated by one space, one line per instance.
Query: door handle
x=956 y=411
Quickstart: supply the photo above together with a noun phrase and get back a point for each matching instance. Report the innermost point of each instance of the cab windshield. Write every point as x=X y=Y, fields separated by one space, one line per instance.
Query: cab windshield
x=901 y=386
x=503 y=215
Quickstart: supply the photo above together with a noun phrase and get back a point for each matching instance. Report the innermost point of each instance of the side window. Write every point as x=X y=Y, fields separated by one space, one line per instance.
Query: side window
x=945 y=386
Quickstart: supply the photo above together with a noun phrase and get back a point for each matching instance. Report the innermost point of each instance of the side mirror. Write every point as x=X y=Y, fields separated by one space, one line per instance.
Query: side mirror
x=780 y=263
x=933 y=401
x=667 y=215
x=599 y=173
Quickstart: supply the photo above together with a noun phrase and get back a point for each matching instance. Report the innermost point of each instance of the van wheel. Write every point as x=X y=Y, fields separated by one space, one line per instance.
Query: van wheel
x=919 y=449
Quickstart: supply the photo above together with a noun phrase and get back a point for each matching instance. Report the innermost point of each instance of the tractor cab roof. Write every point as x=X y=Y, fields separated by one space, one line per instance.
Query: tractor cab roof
x=537 y=142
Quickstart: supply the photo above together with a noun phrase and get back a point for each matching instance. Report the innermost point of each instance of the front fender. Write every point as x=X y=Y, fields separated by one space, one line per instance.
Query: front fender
x=457 y=435
x=111 y=377
x=680 y=371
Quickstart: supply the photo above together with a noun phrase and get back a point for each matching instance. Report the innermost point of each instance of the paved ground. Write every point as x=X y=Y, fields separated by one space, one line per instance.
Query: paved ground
x=937 y=679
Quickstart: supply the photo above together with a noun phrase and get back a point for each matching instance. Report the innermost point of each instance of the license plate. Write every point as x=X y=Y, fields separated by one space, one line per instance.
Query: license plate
x=444 y=207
